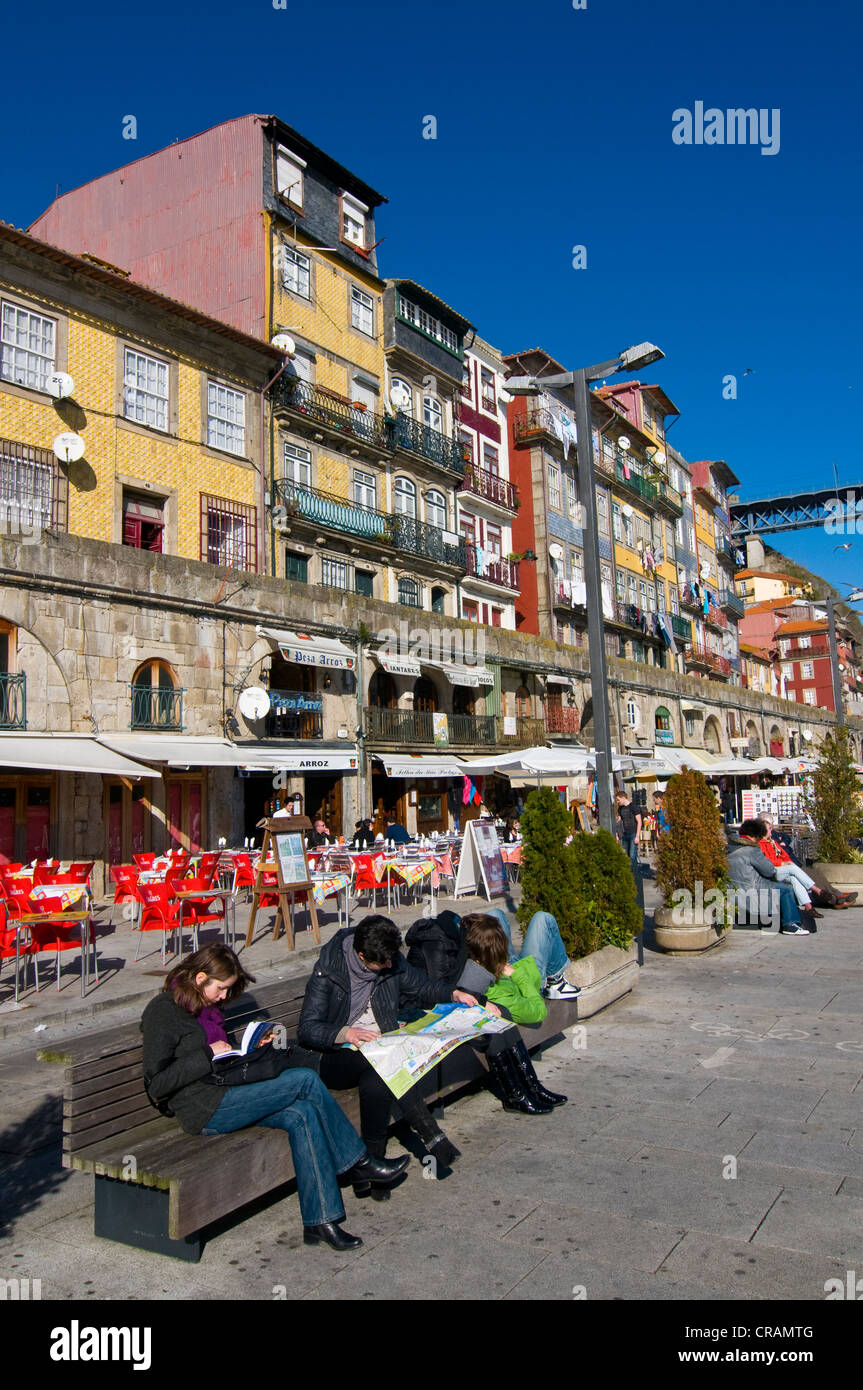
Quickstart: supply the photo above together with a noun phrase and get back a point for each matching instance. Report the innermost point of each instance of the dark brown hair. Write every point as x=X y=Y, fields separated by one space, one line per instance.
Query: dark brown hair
x=486 y=942
x=218 y=962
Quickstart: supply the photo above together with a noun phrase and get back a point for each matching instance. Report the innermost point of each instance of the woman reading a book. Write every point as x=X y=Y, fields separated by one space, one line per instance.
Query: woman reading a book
x=184 y=1036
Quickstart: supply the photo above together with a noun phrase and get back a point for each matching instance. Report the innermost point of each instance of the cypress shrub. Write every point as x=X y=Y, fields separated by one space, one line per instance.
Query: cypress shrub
x=607 y=911
x=693 y=850
x=834 y=802
x=548 y=881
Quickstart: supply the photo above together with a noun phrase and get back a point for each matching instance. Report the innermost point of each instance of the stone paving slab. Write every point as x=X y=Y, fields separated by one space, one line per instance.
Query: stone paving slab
x=740 y=1269
x=811 y=1222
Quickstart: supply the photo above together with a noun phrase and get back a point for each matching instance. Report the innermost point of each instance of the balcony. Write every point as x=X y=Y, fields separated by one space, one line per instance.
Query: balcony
x=725 y=552
x=408 y=727
x=536 y=425
x=13 y=700
x=635 y=482
x=668 y=497
x=295 y=714
x=157 y=708
x=403 y=533
x=697 y=655
x=410 y=435
x=490 y=487
x=626 y=615
x=563 y=719
x=689 y=599
x=681 y=627
x=492 y=569
x=529 y=732
x=333 y=412
x=731 y=603
x=562 y=598
x=716 y=618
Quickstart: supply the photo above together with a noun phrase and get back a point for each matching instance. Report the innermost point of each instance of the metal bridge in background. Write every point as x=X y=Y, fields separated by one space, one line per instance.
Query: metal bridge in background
x=794 y=511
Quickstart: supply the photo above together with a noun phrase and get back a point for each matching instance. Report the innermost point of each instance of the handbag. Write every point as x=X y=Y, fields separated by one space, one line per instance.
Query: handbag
x=264 y=1063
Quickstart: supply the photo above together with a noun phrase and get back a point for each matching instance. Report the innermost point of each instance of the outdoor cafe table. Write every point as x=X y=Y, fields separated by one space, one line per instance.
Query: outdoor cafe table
x=205 y=895
x=82 y=916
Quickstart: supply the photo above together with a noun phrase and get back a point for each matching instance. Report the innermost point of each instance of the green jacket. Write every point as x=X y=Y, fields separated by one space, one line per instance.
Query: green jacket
x=520 y=992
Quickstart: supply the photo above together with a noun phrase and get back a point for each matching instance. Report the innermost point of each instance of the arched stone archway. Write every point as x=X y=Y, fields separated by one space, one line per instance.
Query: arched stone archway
x=712 y=736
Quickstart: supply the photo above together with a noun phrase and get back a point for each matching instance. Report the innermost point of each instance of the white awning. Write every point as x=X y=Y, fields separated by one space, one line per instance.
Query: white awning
x=419 y=765
x=458 y=674
x=67 y=753
x=306 y=650
x=177 y=750
x=300 y=760
x=692 y=707
x=397 y=665
x=559 y=680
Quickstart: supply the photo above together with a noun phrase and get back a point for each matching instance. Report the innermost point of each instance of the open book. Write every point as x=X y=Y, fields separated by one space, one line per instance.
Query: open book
x=254 y=1034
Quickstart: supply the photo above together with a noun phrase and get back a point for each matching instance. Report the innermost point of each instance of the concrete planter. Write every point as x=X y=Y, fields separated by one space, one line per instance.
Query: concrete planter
x=843 y=878
x=678 y=932
x=603 y=977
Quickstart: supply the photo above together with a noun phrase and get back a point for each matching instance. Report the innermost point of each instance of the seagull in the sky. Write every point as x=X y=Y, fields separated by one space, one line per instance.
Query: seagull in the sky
x=846 y=546
x=750 y=371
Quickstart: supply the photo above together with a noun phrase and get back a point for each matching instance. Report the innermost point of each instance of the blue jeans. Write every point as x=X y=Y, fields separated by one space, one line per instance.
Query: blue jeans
x=541 y=940
x=630 y=844
x=324 y=1143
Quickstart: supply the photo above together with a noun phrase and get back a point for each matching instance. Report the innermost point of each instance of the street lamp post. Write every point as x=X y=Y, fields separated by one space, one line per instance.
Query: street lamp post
x=632 y=359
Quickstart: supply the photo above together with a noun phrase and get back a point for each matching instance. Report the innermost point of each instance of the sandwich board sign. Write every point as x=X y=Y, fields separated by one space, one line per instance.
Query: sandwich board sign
x=481 y=867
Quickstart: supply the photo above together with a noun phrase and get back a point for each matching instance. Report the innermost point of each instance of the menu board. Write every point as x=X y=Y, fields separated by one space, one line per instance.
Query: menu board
x=481 y=864
x=291 y=855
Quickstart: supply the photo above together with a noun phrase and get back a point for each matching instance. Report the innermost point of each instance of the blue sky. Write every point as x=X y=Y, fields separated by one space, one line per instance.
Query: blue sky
x=553 y=130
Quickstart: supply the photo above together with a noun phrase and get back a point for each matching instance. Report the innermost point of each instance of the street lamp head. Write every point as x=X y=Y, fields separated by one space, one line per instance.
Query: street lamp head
x=522 y=385
x=632 y=359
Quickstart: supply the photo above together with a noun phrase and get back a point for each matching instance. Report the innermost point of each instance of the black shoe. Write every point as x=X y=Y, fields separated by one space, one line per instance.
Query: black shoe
x=532 y=1082
x=424 y=1124
x=510 y=1087
x=380 y=1172
x=331 y=1234
x=811 y=912
x=443 y=1150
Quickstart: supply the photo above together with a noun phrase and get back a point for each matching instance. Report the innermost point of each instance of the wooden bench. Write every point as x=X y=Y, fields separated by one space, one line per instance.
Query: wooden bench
x=157 y=1187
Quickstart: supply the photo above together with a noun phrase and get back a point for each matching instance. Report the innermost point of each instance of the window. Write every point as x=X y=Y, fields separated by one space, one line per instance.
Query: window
x=691 y=531
x=362 y=311
x=156 y=701
x=807 y=670
x=145 y=397
x=470 y=610
x=401 y=396
x=785 y=646
x=628 y=531
x=467 y=382
x=26 y=347
x=353 y=220
x=296 y=567
x=290 y=177
x=616 y=525
x=229 y=533
x=297 y=273
x=438 y=600
x=364 y=583
x=602 y=512
x=493 y=539
x=572 y=501
x=620 y=585
x=631 y=713
x=433 y=414
x=334 y=573
x=365 y=491
x=298 y=465
x=426 y=323
x=467 y=526
x=143 y=521
x=406 y=497
x=466 y=441
x=409 y=593
x=497 y=617
x=490 y=459
x=660 y=595
x=488 y=396
x=663 y=720
x=809 y=697
x=554 y=495
x=678 y=531
x=788 y=670
x=436 y=510
x=226 y=419
x=669 y=541
x=672 y=591
x=33 y=492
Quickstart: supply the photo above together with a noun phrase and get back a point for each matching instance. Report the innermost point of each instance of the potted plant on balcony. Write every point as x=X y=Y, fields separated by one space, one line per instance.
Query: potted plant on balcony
x=834 y=805
x=691 y=868
x=586 y=883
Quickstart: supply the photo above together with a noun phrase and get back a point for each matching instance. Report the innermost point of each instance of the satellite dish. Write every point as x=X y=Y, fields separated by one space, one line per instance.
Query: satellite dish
x=556 y=551
x=60 y=385
x=659 y=456
x=705 y=571
x=624 y=442
x=400 y=396
x=68 y=447
x=626 y=509
x=285 y=343
x=254 y=702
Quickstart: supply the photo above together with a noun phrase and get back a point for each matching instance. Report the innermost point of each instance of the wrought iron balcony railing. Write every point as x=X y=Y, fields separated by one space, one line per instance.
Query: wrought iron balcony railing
x=489 y=486
x=731 y=603
x=407 y=726
x=154 y=707
x=529 y=731
x=420 y=439
x=13 y=700
x=716 y=618
x=404 y=533
x=333 y=411
x=681 y=627
x=492 y=568
x=697 y=655
x=536 y=423
x=295 y=714
x=689 y=599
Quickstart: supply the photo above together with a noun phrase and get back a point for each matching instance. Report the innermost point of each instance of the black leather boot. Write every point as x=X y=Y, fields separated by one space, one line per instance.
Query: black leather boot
x=374 y=1175
x=532 y=1082
x=424 y=1124
x=331 y=1234
x=510 y=1087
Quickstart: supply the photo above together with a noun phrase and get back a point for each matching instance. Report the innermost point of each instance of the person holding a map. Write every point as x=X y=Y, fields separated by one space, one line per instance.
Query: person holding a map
x=360 y=986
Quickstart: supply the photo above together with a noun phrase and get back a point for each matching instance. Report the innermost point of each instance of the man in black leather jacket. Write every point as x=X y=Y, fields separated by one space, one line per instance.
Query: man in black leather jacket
x=361 y=985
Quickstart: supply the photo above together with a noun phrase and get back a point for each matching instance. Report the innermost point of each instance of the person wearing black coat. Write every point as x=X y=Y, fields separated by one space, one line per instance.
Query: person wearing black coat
x=360 y=986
